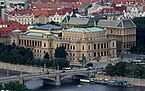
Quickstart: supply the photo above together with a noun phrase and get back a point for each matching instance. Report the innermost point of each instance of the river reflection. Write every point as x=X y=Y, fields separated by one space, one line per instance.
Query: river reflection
x=86 y=87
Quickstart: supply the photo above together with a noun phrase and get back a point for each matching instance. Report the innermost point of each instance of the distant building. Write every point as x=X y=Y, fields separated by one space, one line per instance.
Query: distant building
x=124 y=30
x=70 y=22
x=128 y=1
x=38 y=16
x=134 y=11
x=6 y=27
x=90 y=43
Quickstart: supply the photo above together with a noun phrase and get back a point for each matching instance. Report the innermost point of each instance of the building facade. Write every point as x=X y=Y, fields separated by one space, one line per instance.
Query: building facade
x=108 y=39
x=38 y=16
x=124 y=30
x=90 y=43
x=39 y=43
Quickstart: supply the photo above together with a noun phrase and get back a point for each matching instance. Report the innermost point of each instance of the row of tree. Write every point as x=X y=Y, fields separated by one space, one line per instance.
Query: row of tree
x=140 y=36
x=24 y=56
x=16 y=55
x=13 y=86
x=59 y=59
x=125 y=69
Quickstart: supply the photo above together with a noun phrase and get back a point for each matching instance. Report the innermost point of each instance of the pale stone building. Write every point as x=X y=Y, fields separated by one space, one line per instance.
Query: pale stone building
x=79 y=42
x=124 y=30
x=109 y=40
x=87 y=42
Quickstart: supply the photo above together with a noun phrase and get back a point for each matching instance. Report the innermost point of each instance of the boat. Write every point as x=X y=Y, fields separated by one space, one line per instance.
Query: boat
x=119 y=83
x=98 y=81
x=85 y=80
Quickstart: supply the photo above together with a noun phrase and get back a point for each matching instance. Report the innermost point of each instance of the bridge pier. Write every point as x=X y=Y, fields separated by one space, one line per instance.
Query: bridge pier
x=58 y=79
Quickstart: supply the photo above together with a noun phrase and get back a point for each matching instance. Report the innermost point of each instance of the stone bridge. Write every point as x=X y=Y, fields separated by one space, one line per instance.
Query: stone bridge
x=56 y=77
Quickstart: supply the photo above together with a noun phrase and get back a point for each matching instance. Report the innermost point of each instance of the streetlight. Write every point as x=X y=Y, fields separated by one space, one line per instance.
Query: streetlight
x=7 y=71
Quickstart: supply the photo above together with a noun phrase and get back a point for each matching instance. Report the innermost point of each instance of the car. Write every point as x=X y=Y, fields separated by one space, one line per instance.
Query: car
x=68 y=68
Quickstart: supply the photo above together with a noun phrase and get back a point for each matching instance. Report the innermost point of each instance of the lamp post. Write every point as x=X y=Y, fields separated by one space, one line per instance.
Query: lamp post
x=7 y=71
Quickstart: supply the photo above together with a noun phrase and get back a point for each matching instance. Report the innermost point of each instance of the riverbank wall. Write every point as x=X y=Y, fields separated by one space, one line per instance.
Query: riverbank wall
x=20 y=68
x=134 y=81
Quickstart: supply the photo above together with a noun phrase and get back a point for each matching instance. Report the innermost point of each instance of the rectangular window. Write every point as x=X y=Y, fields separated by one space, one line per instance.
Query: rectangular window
x=105 y=45
x=101 y=45
x=94 y=46
x=89 y=47
x=73 y=47
x=113 y=44
x=44 y=44
x=83 y=48
x=98 y=46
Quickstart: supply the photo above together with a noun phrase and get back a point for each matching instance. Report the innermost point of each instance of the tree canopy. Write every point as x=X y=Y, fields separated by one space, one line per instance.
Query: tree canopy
x=60 y=52
x=16 y=55
x=60 y=57
x=13 y=86
x=125 y=69
x=140 y=36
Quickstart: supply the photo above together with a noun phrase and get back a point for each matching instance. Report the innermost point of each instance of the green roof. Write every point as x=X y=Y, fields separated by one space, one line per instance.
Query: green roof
x=84 y=30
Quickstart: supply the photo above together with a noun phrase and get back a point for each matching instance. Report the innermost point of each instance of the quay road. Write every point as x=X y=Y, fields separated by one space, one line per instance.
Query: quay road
x=51 y=75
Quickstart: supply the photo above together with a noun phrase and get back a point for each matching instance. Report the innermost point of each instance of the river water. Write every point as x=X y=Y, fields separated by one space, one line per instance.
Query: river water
x=37 y=85
x=82 y=87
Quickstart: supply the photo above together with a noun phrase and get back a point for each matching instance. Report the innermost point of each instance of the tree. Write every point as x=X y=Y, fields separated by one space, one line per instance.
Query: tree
x=46 y=59
x=60 y=52
x=83 y=61
x=15 y=86
x=60 y=57
x=110 y=69
x=1 y=87
x=140 y=36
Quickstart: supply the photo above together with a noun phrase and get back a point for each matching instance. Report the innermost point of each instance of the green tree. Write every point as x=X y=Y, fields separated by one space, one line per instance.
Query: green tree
x=46 y=59
x=110 y=69
x=83 y=61
x=60 y=52
x=15 y=86
x=140 y=36
x=1 y=87
x=60 y=57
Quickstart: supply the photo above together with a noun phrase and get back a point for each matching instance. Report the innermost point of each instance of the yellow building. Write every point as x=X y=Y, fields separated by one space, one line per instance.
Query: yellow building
x=90 y=43
x=40 y=39
x=123 y=30
x=112 y=38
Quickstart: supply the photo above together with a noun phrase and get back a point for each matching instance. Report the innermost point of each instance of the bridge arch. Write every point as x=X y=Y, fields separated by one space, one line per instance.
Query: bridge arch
x=70 y=75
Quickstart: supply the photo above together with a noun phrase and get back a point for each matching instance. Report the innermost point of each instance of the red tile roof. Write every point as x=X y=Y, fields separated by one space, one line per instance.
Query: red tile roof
x=42 y=12
x=55 y=5
x=89 y=1
x=124 y=1
x=68 y=1
x=107 y=10
x=21 y=12
x=11 y=25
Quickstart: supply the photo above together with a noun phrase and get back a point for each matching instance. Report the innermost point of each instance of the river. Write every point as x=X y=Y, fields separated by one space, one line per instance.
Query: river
x=37 y=85
x=82 y=87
